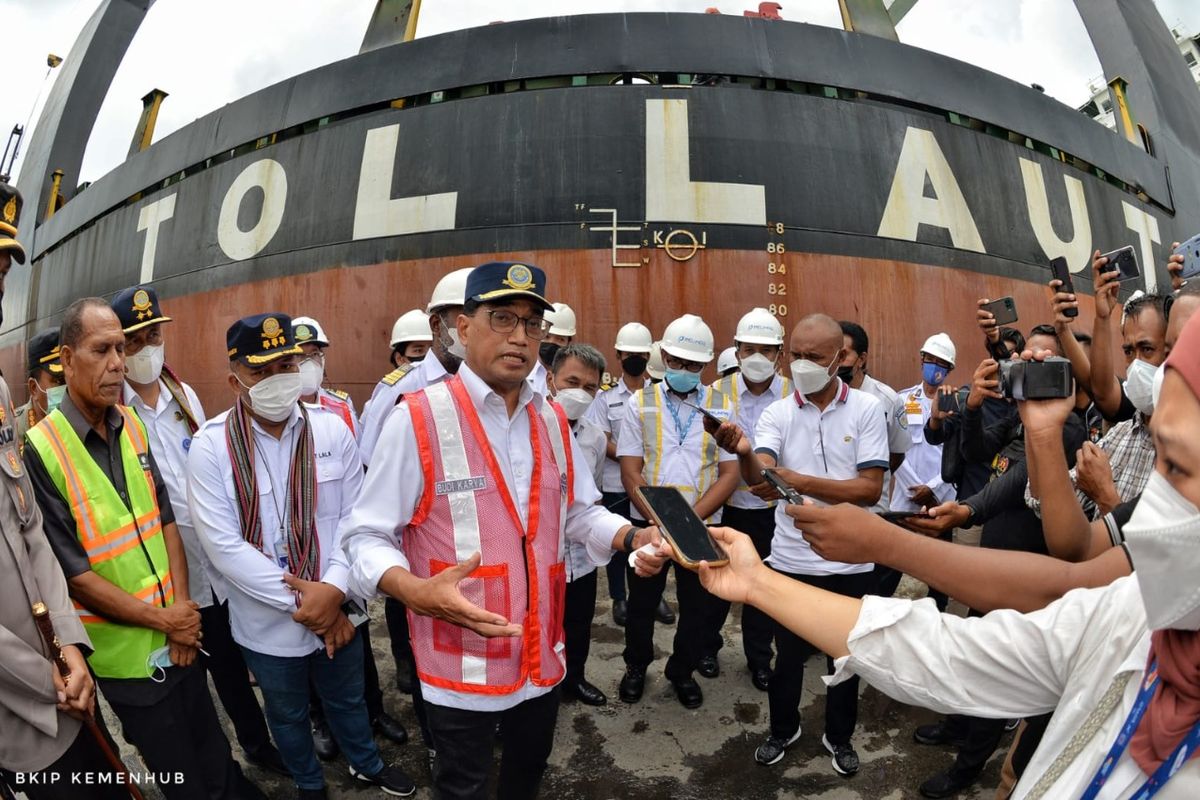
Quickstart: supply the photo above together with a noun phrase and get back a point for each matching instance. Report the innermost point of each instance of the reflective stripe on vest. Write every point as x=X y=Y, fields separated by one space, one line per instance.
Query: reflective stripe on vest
x=339 y=407
x=651 y=403
x=466 y=507
x=125 y=548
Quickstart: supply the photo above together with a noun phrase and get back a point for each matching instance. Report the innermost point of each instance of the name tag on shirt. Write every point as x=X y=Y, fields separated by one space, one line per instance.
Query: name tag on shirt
x=144 y=462
x=473 y=484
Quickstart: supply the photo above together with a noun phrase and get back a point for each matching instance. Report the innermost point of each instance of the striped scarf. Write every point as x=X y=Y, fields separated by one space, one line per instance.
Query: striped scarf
x=175 y=387
x=303 y=547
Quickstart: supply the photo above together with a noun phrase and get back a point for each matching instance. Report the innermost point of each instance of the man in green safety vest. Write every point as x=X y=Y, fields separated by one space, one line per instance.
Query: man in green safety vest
x=109 y=521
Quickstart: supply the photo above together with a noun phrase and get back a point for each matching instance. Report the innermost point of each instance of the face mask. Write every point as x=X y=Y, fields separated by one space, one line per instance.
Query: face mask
x=934 y=374
x=810 y=377
x=575 y=402
x=455 y=346
x=54 y=397
x=312 y=372
x=159 y=661
x=547 y=351
x=274 y=398
x=1163 y=537
x=682 y=380
x=416 y=359
x=634 y=365
x=145 y=365
x=1139 y=385
x=1156 y=388
x=846 y=373
x=758 y=368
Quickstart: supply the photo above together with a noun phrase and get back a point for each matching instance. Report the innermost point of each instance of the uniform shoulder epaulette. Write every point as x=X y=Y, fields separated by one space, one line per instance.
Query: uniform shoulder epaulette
x=338 y=393
x=606 y=386
x=393 y=377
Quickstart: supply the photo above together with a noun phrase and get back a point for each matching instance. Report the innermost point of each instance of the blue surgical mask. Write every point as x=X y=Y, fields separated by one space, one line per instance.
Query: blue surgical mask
x=159 y=661
x=934 y=374
x=682 y=380
x=54 y=397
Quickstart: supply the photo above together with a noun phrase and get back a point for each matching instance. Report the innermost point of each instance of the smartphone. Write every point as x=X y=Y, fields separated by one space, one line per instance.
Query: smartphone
x=1123 y=261
x=1190 y=250
x=680 y=526
x=783 y=487
x=1003 y=310
x=948 y=402
x=711 y=420
x=900 y=516
x=1062 y=273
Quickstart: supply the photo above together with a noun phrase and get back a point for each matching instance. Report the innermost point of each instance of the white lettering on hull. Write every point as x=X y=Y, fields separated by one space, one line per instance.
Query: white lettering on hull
x=269 y=176
x=377 y=213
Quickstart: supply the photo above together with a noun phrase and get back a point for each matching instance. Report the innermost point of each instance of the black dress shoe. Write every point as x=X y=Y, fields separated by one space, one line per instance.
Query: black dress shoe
x=633 y=684
x=268 y=758
x=945 y=784
x=323 y=741
x=585 y=693
x=937 y=733
x=664 y=614
x=761 y=678
x=688 y=692
x=620 y=612
x=390 y=728
x=708 y=667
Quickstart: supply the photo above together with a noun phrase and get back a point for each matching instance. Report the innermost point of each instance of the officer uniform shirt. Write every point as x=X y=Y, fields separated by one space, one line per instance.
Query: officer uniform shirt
x=899 y=439
x=169 y=437
x=849 y=435
x=36 y=734
x=923 y=462
x=680 y=459
x=260 y=604
x=335 y=399
x=748 y=408
x=592 y=443
x=427 y=372
x=537 y=379
x=60 y=528
x=608 y=412
x=372 y=535
x=22 y=421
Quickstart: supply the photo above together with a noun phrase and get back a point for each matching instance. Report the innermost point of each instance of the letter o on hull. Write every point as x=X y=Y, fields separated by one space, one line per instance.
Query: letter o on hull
x=269 y=176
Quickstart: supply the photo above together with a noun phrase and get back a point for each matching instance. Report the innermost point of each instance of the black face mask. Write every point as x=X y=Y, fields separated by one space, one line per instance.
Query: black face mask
x=634 y=365
x=547 y=351
x=846 y=373
x=416 y=359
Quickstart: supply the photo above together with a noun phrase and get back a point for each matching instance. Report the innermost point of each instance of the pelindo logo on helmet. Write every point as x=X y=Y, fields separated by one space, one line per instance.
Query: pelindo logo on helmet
x=690 y=340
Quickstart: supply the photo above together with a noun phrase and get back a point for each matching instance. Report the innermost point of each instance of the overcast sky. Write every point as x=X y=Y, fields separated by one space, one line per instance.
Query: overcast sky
x=205 y=53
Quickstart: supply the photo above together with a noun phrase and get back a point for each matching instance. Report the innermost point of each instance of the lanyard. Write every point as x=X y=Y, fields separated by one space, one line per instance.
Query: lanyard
x=681 y=430
x=1167 y=769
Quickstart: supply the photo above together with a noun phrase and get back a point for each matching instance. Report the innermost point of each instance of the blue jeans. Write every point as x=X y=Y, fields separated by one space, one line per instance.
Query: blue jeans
x=284 y=683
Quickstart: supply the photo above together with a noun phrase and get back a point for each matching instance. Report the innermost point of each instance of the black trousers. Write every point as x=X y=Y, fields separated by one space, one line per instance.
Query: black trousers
x=618 y=503
x=181 y=734
x=787 y=679
x=232 y=680
x=464 y=741
x=757 y=628
x=578 y=610
x=397 y=624
x=83 y=757
x=697 y=611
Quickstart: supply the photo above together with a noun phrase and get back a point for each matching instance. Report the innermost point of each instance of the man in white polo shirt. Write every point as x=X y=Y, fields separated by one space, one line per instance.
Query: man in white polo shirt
x=829 y=442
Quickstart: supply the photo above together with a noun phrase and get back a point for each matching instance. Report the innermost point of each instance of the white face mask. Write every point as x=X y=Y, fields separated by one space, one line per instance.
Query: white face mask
x=145 y=365
x=574 y=402
x=1139 y=385
x=1163 y=537
x=1156 y=388
x=274 y=398
x=810 y=377
x=758 y=368
x=312 y=372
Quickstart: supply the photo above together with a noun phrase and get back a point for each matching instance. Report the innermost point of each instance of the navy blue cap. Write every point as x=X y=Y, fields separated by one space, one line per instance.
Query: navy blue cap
x=137 y=307
x=261 y=339
x=42 y=352
x=507 y=280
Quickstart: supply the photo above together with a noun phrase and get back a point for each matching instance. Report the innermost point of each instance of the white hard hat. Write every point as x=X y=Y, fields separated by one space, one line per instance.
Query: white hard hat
x=758 y=326
x=451 y=290
x=727 y=360
x=655 y=367
x=940 y=346
x=634 y=337
x=561 y=319
x=689 y=338
x=412 y=326
x=306 y=330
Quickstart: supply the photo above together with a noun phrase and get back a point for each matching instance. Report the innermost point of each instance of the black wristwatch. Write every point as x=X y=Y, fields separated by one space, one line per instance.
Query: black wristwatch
x=629 y=537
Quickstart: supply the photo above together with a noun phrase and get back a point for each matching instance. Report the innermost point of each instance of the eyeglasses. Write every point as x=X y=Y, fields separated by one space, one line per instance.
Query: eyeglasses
x=503 y=321
x=678 y=363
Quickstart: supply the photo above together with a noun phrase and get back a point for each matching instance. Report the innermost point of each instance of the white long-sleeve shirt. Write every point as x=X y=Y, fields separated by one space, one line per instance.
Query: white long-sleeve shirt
x=1062 y=658
x=260 y=604
x=383 y=400
x=372 y=534
x=592 y=443
x=923 y=462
